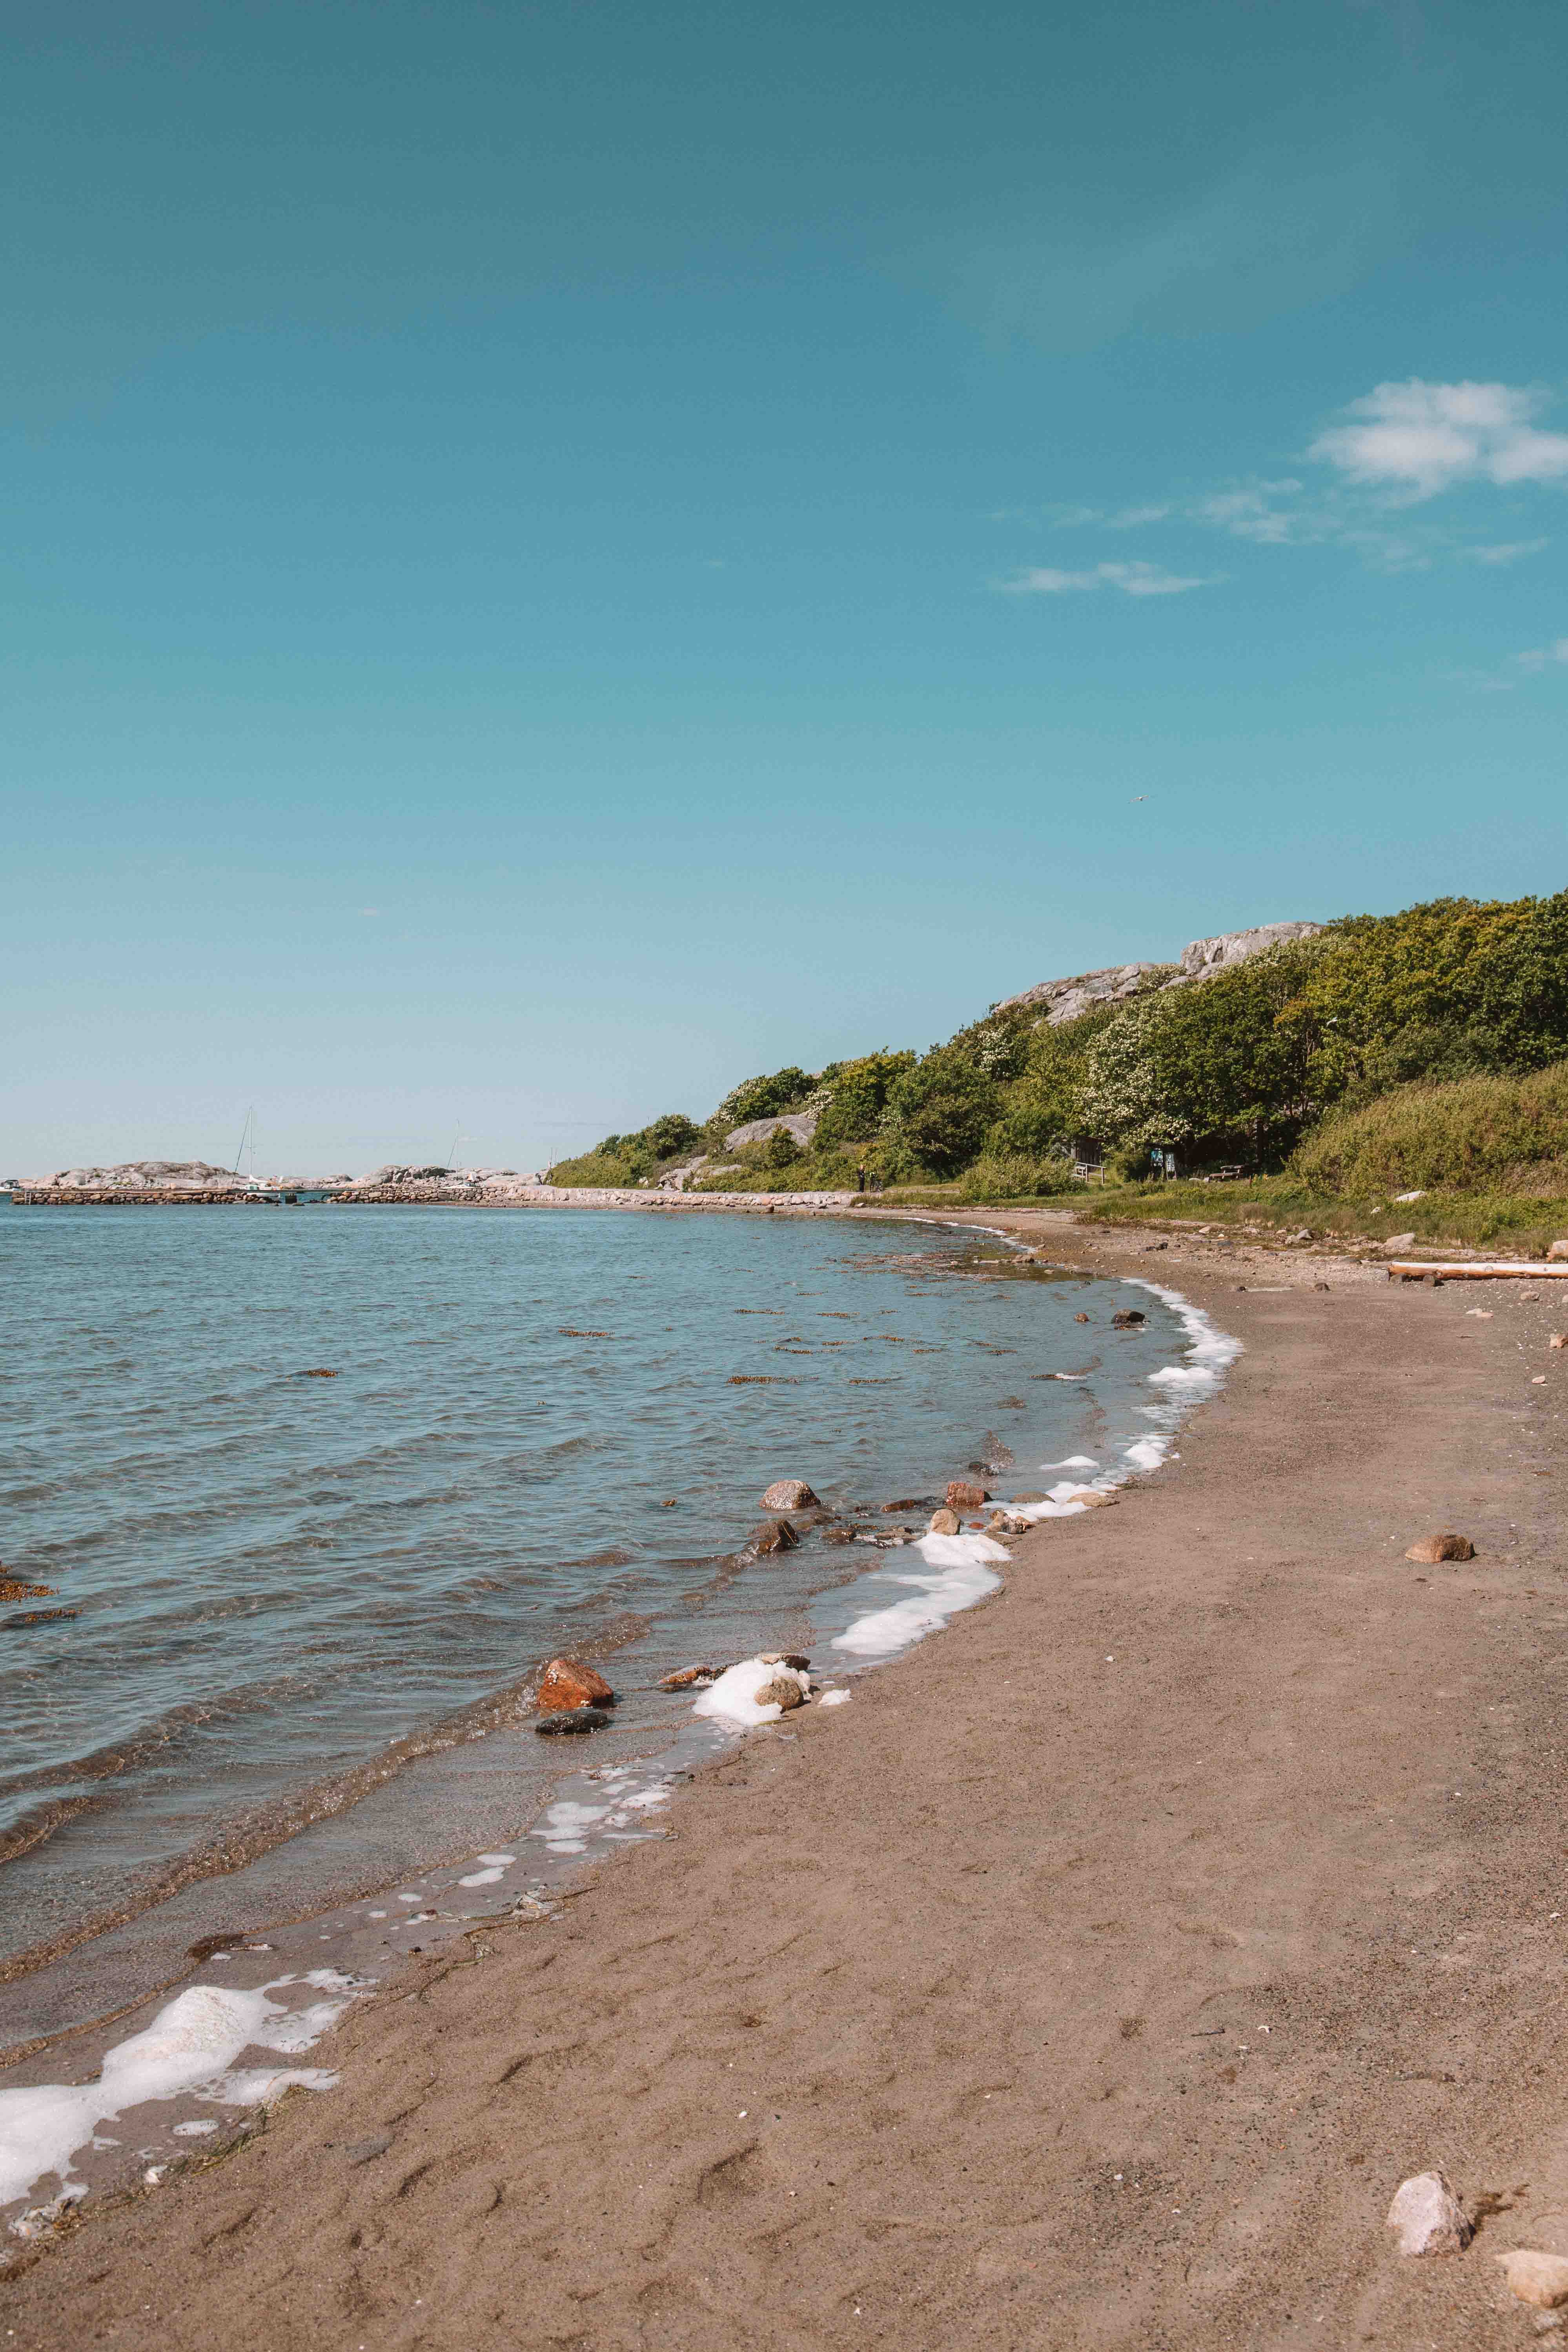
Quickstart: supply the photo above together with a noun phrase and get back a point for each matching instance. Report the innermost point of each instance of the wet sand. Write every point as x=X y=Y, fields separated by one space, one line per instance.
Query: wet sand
x=1092 y=1979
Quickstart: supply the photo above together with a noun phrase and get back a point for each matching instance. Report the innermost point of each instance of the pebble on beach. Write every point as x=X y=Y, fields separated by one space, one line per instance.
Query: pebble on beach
x=566 y=1683
x=1430 y=1550
x=1429 y=2216
x=789 y=1495
x=1535 y=2277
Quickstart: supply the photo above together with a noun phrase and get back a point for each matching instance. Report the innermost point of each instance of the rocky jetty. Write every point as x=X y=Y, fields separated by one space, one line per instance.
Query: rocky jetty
x=1063 y=1000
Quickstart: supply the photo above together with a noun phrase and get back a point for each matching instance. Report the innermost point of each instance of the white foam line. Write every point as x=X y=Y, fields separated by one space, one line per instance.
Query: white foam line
x=189 y=2049
x=960 y=1575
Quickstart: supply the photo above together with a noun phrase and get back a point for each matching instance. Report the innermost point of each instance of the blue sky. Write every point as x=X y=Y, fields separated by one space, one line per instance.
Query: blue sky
x=559 y=555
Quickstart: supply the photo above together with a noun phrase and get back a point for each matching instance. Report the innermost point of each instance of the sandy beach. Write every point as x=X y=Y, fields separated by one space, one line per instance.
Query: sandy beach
x=1092 y=1979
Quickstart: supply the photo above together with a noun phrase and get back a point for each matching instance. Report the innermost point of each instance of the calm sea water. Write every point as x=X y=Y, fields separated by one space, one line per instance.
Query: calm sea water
x=544 y=1431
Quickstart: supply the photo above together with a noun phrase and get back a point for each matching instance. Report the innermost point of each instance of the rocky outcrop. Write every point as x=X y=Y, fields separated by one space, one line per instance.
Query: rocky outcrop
x=801 y=1124
x=1063 y=1000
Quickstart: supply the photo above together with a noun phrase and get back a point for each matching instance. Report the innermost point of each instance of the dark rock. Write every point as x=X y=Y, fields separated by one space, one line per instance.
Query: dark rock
x=776 y=1536
x=576 y=1718
x=1127 y=1319
x=205 y=1946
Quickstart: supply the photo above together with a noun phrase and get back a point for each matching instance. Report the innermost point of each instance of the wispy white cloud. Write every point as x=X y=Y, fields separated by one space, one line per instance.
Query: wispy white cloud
x=1421 y=438
x=1544 y=657
x=1508 y=551
x=1134 y=579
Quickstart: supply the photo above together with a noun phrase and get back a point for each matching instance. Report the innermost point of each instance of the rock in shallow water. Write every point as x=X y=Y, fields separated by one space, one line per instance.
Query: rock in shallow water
x=576 y=1719
x=566 y=1683
x=1429 y=2216
x=963 y=1494
x=789 y=1495
x=776 y=1536
x=690 y=1678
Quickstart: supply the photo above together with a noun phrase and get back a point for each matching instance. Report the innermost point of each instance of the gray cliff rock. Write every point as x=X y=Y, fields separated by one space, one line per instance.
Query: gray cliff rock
x=801 y=1124
x=1063 y=1000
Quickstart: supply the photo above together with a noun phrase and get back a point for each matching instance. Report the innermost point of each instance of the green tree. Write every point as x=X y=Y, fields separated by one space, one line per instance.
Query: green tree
x=763 y=1098
x=938 y=1113
x=857 y=1095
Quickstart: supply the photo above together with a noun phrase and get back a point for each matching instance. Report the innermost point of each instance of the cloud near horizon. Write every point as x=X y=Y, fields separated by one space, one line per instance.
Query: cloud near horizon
x=1133 y=579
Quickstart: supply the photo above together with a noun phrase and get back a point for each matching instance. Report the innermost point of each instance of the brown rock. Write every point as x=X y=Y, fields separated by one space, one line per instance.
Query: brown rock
x=205 y=1946
x=1538 y=2278
x=566 y=1683
x=789 y=1495
x=943 y=1523
x=1031 y=1498
x=1558 y=1340
x=1127 y=1319
x=785 y=1658
x=1007 y=1523
x=689 y=1677
x=963 y=1494
x=774 y=1534
x=785 y=1693
x=1432 y=1548
x=1081 y=1318
x=842 y=1534
x=910 y=1503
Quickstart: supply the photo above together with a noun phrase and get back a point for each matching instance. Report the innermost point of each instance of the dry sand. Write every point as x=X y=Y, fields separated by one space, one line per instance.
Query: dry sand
x=1091 y=1980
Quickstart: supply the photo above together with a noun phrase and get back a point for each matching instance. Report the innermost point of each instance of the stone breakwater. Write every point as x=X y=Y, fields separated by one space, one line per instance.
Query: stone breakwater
x=582 y=1196
x=434 y=1192
x=117 y=1196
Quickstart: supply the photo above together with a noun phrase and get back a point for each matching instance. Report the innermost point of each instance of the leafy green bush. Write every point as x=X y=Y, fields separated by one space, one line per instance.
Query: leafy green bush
x=763 y=1098
x=1508 y=1134
x=857 y=1096
x=1015 y=1176
x=938 y=1112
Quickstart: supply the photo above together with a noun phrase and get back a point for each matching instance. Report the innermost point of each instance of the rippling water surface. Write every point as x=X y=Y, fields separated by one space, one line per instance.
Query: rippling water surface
x=544 y=1430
